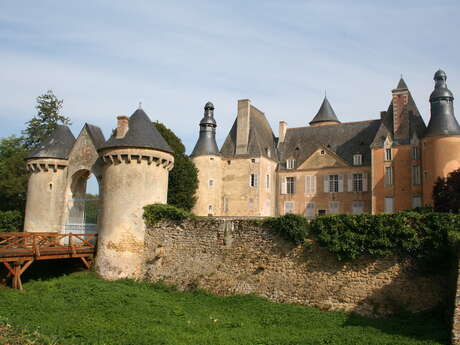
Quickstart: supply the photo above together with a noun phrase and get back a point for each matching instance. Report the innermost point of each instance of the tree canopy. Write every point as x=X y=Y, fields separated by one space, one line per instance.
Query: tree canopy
x=13 y=174
x=46 y=121
x=183 y=178
x=446 y=193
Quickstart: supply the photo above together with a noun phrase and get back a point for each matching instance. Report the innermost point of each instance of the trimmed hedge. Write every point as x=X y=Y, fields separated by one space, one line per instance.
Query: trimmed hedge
x=11 y=221
x=156 y=212
x=290 y=226
x=414 y=234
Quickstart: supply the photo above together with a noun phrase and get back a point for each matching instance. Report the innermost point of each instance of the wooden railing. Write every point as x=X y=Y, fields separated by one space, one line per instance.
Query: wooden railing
x=18 y=250
x=35 y=243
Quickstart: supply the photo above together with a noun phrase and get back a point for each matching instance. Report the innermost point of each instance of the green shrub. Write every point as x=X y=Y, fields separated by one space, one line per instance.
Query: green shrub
x=415 y=234
x=10 y=221
x=291 y=226
x=156 y=212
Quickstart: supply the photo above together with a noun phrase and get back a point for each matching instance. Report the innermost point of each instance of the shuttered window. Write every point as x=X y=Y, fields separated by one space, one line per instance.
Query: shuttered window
x=310 y=184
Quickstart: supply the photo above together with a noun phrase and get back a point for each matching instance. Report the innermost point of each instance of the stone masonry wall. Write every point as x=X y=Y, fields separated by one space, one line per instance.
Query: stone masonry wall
x=241 y=257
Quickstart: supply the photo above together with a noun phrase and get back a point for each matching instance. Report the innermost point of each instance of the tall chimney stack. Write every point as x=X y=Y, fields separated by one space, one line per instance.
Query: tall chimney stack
x=122 y=126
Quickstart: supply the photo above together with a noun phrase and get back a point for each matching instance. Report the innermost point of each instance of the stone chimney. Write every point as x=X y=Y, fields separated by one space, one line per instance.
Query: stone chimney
x=122 y=126
x=400 y=98
x=282 y=131
x=242 y=125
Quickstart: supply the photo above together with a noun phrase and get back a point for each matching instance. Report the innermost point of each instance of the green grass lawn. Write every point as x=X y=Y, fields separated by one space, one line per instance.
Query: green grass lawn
x=80 y=308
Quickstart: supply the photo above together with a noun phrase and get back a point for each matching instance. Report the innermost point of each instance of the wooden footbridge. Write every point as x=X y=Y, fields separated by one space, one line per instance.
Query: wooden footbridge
x=18 y=250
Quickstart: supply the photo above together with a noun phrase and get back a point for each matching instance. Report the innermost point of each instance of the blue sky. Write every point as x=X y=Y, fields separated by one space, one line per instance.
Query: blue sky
x=103 y=57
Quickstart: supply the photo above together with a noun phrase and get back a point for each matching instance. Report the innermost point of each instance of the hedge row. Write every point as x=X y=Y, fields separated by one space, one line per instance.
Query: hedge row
x=156 y=212
x=405 y=233
x=11 y=221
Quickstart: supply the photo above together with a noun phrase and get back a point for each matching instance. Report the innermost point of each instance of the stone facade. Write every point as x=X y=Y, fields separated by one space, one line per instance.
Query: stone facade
x=397 y=159
x=241 y=257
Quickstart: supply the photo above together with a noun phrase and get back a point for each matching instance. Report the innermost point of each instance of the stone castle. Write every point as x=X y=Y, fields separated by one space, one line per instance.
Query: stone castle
x=384 y=165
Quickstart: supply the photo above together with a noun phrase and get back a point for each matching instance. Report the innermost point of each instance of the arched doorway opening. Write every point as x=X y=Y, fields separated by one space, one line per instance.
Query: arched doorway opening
x=83 y=204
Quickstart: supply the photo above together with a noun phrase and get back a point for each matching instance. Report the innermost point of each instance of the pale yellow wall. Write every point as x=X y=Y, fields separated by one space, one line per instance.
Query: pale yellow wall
x=242 y=199
x=132 y=179
x=320 y=198
x=45 y=195
x=209 y=167
x=441 y=155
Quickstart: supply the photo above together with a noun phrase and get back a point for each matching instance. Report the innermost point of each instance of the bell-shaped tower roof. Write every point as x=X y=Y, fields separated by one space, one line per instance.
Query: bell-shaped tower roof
x=325 y=113
x=442 y=120
x=206 y=144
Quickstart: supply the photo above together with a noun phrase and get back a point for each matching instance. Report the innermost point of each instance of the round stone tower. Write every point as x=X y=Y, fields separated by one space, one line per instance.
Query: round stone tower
x=137 y=161
x=47 y=166
x=207 y=159
x=441 y=143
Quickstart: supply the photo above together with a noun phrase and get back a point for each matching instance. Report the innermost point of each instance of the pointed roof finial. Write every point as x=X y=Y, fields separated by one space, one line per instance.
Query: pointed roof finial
x=140 y=105
x=401 y=84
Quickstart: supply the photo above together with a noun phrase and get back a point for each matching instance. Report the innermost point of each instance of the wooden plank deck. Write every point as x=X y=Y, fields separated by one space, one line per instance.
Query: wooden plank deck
x=18 y=250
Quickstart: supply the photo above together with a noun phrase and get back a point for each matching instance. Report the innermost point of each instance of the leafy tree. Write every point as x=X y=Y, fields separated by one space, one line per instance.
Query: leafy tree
x=446 y=193
x=13 y=174
x=46 y=121
x=183 y=178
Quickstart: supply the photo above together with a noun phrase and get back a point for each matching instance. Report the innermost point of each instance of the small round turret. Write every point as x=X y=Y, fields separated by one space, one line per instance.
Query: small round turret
x=137 y=161
x=48 y=166
x=207 y=159
x=441 y=144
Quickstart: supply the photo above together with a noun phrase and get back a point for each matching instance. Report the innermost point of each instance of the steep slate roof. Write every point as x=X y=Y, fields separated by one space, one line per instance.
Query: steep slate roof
x=402 y=84
x=325 y=113
x=96 y=135
x=345 y=139
x=141 y=134
x=412 y=123
x=261 y=137
x=57 y=145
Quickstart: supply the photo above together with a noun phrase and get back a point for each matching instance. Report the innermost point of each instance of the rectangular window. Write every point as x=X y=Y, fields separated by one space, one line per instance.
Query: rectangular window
x=388 y=207
x=310 y=184
x=388 y=176
x=415 y=153
x=322 y=212
x=310 y=210
x=225 y=204
x=416 y=201
x=290 y=164
x=388 y=155
x=253 y=180
x=357 y=207
x=334 y=207
x=358 y=159
x=357 y=182
x=333 y=183
x=416 y=175
x=267 y=181
x=211 y=182
x=290 y=185
x=288 y=207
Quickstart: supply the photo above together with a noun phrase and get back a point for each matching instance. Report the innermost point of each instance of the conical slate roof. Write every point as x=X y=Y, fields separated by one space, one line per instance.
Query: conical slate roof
x=402 y=84
x=57 y=145
x=141 y=134
x=325 y=113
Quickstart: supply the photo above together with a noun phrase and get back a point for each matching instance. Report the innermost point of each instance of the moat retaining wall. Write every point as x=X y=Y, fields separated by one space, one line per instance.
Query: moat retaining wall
x=242 y=257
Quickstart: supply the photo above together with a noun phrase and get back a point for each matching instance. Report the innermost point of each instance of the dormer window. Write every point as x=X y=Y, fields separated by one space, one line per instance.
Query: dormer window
x=415 y=153
x=322 y=153
x=290 y=164
x=358 y=159
x=388 y=154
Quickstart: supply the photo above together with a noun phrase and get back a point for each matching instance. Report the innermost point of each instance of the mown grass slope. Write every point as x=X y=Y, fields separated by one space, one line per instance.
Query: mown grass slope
x=82 y=309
